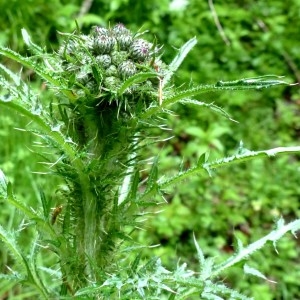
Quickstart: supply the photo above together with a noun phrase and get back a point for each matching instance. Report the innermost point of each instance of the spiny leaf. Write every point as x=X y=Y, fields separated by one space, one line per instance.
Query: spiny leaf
x=172 y=296
x=67 y=220
x=43 y=73
x=186 y=94
x=134 y=248
x=238 y=245
x=248 y=155
x=243 y=253
x=113 y=281
x=137 y=78
x=32 y=268
x=255 y=272
x=96 y=74
x=211 y=291
x=241 y=84
x=88 y=290
x=148 y=265
x=206 y=269
x=3 y=185
x=22 y=207
x=153 y=176
x=179 y=58
x=126 y=187
x=45 y=204
x=58 y=139
x=8 y=281
x=210 y=296
x=27 y=39
x=135 y=264
x=16 y=57
x=201 y=257
x=15 y=78
x=13 y=278
x=28 y=63
x=10 y=242
x=22 y=93
x=29 y=213
x=203 y=159
x=12 y=91
x=134 y=185
x=207 y=105
x=251 y=83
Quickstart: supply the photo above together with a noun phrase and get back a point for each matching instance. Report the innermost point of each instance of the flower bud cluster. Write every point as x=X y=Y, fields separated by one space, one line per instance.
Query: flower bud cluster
x=104 y=59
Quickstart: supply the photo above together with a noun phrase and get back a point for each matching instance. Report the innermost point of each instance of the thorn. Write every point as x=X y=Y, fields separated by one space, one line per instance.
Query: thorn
x=160 y=90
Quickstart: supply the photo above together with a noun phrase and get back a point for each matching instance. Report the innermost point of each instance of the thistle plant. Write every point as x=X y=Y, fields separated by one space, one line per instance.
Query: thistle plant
x=108 y=88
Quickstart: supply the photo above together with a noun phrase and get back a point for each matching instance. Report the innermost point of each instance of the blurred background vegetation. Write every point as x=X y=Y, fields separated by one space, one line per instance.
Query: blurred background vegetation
x=236 y=39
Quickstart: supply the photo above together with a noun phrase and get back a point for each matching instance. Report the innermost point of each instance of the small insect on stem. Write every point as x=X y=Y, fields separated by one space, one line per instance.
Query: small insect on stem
x=56 y=211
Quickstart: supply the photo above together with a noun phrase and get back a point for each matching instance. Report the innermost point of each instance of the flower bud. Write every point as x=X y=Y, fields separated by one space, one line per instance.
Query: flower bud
x=103 y=60
x=120 y=29
x=98 y=31
x=127 y=69
x=104 y=44
x=140 y=49
x=112 y=83
x=111 y=71
x=117 y=57
x=124 y=41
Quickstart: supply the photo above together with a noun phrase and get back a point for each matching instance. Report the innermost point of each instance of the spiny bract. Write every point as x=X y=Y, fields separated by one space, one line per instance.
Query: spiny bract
x=97 y=64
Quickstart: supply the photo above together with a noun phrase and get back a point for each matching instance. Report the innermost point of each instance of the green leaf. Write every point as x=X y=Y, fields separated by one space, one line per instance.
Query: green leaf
x=244 y=252
x=43 y=73
x=203 y=159
x=46 y=204
x=200 y=254
x=27 y=40
x=29 y=213
x=127 y=184
x=134 y=185
x=153 y=176
x=212 y=290
x=249 y=155
x=96 y=74
x=15 y=78
x=10 y=242
x=10 y=89
x=134 y=265
x=3 y=185
x=179 y=58
x=251 y=83
x=137 y=78
x=207 y=105
x=90 y=289
x=172 y=296
x=208 y=166
x=241 y=84
x=255 y=272
x=207 y=269
x=65 y=145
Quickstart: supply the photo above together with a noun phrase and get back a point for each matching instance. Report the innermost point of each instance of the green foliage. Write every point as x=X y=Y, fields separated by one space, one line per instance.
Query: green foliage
x=40 y=17
x=266 y=121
